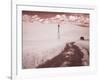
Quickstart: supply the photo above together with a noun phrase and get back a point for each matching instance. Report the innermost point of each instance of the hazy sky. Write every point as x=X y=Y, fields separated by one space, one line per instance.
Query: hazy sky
x=50 y=14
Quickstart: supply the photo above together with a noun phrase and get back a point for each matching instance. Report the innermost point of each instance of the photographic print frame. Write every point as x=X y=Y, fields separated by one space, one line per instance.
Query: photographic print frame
x=17 y=70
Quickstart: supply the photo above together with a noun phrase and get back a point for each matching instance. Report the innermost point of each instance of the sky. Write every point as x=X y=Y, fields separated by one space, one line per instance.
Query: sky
x=54 y=17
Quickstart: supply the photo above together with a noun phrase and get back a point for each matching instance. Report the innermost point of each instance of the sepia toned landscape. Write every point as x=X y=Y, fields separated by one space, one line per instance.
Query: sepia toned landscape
x=55 y=39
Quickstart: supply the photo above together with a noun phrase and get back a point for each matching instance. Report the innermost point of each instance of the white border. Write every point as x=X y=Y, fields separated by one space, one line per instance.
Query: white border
x=70 y=73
